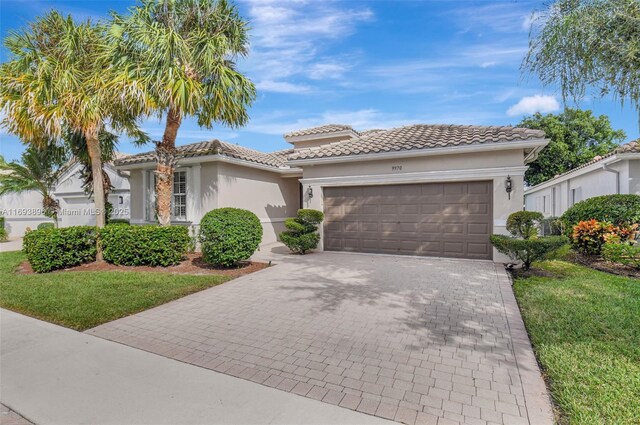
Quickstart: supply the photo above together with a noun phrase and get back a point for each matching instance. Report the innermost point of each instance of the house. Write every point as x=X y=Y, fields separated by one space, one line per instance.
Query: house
x=24 y=210
x=432 y=190
x=617 y=172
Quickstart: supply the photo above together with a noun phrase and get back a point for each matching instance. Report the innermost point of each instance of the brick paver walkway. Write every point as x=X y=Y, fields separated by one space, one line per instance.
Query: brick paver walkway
x=415 y=340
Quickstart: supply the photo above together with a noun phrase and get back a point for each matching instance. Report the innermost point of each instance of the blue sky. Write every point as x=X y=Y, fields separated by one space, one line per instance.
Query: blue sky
x=370 y=64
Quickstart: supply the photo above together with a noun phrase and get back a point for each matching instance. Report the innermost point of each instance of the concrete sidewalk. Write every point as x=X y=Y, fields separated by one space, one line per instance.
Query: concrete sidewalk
x=53 y=375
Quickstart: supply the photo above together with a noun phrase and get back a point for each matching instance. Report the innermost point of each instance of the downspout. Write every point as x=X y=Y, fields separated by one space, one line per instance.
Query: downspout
x=605 y=167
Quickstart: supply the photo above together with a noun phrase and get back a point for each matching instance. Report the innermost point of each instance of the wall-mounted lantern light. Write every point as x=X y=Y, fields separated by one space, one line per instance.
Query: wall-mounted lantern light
x=309 y=192
x=508 y=185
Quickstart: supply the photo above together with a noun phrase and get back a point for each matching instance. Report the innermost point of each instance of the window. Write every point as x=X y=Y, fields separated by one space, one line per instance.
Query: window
x=151 y=196
x=178 y=198
x=180 y=195
x=576 y=195
x=544 y=204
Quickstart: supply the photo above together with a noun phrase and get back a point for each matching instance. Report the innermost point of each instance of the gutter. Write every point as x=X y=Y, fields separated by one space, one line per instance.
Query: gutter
x=605 y=167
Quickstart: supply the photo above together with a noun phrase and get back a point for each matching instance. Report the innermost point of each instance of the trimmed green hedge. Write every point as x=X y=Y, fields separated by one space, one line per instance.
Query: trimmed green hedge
x=615 y=209
x=527 y=250
x=144 y=245
x=229 y=235
x=3 y=232
x=58 y=248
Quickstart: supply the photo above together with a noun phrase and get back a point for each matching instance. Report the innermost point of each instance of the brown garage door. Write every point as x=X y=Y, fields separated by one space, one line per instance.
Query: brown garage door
x=430 y=219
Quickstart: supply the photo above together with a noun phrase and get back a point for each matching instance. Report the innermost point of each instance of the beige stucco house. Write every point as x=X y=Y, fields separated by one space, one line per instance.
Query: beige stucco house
x=617 y=172
x=432 y=190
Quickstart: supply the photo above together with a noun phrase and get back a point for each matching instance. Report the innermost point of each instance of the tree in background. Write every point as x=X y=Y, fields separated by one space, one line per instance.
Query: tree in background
x=580 y=44
x=60 y=79
x=181 y=53
x=38 y=169
x=576 y=137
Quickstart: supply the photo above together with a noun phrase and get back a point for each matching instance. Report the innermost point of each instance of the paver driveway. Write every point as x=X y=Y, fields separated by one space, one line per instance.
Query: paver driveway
x=416 y=340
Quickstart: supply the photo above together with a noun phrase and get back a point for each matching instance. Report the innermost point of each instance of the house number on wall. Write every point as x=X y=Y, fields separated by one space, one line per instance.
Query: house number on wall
x=396 y=168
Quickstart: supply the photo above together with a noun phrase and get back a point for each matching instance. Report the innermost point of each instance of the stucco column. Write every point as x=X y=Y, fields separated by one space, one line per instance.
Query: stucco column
x=315 y=203
x=504 y=205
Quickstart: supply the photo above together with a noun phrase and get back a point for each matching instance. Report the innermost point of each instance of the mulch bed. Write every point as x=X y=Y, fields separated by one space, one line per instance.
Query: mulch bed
x=193 y=265
x=598 y=263
x=520 y=273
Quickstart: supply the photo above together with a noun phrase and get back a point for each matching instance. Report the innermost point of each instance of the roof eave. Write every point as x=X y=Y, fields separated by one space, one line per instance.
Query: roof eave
x=196 y=159
x=494 y=146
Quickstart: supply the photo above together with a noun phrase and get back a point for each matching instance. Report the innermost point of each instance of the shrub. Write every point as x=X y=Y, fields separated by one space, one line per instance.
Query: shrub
x=589 y=236
x=57 y=248
x=118 y=221
x=524 y=224
x=3 y=232
x=144 y=245
x=302 y=234
x=616 y=209
x=229 y=235
x=622 y=253
x=46 y=225
x=528 y=250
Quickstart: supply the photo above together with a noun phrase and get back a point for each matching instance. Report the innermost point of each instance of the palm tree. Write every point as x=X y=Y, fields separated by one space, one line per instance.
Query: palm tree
x=77 y=145
x=60 y=79
x=38 y=170
x=182 y=53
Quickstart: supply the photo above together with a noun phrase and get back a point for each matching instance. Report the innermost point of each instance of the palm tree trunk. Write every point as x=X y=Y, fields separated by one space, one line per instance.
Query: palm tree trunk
x=93 y=147
x=166 y=164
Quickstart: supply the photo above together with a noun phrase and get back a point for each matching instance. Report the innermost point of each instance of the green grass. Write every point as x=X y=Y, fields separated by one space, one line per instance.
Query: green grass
x=585 y=328
x=82 y=300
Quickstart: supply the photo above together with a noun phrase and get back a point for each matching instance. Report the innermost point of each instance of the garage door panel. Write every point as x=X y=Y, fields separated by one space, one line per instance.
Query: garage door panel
x=432 y=219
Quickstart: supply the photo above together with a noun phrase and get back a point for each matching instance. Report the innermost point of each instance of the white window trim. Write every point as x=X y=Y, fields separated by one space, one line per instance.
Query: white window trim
x=149 y=195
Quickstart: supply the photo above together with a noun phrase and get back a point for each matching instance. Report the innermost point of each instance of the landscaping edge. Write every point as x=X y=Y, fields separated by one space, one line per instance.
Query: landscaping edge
x=536 y=394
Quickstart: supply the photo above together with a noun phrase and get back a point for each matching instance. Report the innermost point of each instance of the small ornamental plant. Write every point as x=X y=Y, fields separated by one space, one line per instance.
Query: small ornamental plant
x=525 y=245
x=589 y=236
x=302 y=231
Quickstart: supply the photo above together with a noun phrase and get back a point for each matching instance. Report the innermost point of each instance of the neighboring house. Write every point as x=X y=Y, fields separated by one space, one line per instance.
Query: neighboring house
x=24 y=210
x=432 y=190
x=613 y=173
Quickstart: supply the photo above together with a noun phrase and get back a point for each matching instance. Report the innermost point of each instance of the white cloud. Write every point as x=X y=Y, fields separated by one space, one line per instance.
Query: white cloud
x=280 y=122
x=503 y=17
x=288 y=39
x=281 y=87
x=329 y=70
x=531 y=104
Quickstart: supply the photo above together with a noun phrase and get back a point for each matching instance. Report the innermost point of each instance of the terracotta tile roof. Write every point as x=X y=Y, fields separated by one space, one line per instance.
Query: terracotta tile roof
x=329 y=128
x=630 y=147
x=416 y=137
x=212 y=147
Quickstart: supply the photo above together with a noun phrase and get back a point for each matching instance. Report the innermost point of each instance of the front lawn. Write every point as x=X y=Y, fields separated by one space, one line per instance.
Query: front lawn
x=585 y=328
x=82 y=300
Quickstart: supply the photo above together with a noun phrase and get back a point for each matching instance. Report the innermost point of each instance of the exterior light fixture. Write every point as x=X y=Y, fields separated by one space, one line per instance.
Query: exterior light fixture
x=508 y=186
x=309 y=192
